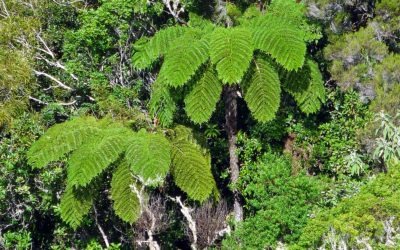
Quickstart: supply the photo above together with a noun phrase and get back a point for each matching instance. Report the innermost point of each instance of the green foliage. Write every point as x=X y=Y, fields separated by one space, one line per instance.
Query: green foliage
x=361 y=216
x=140 y=152
x=183 y=59
x=306 y=86
x=333 y=141
x=201 y=102
x=60 y=140
x=126 y=201
x=74 y=206
x=96 y=154
x=191 y=167
x=147 y=51
x=263 y=94
x=280 y=39
x=161 y=104
x=231 y=51
x=277 y=204
x=148 y=157
x=16 y=79
x=388 y=143
x=184 y=49
x=17 y=240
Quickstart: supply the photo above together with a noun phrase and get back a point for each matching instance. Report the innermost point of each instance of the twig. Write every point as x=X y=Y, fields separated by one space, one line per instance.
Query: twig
x=100 y=228
x=60 y=84
x=46 y=103
x=192 y=223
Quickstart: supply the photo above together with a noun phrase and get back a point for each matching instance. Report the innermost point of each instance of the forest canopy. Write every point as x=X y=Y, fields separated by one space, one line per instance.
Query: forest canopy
x=188 y=124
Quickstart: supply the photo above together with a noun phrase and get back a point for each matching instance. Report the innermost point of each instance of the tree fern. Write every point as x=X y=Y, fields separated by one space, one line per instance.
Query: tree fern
x=183 y=59
x=280 y=39
x=306 y=87
x=162 y=105
x=126 y=201
x=74 y=206
x=148 y=51
x=263 y=93
x=231 y=51
x=201 y=101
x=149 y=157
x=60 y=140
x=146 y=159
x=191 y=170
x=89 y=160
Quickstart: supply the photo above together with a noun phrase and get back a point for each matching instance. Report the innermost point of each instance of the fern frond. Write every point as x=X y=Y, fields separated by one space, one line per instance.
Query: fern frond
x=126 y=201
x=149 y=157
x=263 y=94
x=74 y=206
x=162 y=106
x=280 y=39
x=295 y=13
x=183 y=59
x=306 y=87
x=148 y=50
x=201 y=101
x=231 y=51
x=199 y=22
x=191 y=170
x=96 y=154
x=60 y=140
x=290 y=10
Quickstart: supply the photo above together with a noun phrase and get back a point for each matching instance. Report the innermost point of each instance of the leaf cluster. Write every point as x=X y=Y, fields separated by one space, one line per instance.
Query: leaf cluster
x=143 y=159
x=202 y=57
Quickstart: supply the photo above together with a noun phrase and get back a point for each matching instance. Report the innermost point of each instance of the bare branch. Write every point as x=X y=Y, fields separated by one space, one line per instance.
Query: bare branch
x=46 y=103
x=103 y=235
x=60 y=84
x=186 y=211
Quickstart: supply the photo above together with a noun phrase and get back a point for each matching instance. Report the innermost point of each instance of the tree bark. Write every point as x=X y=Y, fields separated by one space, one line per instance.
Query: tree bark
x=231 y=117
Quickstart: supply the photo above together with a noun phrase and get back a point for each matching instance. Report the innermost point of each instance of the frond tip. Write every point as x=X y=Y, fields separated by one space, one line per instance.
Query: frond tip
x=149 y=157
x=125 y=194
x=280 y=39
x=231 y=51
x=306 y=86
x=191 y=170
x=201 y=101
x=96 y=155
x=60 y=140
x=74 y=206
x=183 y=60
x=263 y=93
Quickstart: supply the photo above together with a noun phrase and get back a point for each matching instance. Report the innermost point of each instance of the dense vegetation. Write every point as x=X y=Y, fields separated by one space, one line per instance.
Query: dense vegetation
x=135 y=124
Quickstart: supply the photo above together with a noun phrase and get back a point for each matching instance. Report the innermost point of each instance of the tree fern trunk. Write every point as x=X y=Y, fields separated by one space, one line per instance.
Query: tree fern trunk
x=231 y=113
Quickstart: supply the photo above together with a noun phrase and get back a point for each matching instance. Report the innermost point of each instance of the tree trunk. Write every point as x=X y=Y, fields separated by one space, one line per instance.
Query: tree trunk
x=231 y=115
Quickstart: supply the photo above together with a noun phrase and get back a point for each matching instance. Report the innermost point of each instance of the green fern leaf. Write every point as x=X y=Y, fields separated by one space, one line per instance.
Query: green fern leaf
x=191 y=170
x=201 y=101
x=294 y=13
x=183 y=59
x=231 y=51
x=162 y=106
x=290 y=10
x=126 y=201
x=280 y=39
x=93 y=157
x=263 y=93
x=149 y=157
x=197 y=21
x=148 y=50
x=60 y=140
x=306 y=87
x=74 y=206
